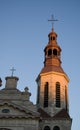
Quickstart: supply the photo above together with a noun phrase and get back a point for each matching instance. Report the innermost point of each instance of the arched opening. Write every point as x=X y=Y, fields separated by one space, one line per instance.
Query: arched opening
x=49 y=52
x=56 y=128
x=46 y=87
x=46 y=128
x=55 y=52
x=53 y=38
x=58 y=103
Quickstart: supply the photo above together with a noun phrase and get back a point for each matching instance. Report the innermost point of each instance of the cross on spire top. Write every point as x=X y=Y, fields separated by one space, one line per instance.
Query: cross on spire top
x=12 y=71
x=52 y=20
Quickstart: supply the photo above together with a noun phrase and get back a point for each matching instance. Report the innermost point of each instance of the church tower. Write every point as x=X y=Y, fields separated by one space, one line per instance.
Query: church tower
x=52 y=89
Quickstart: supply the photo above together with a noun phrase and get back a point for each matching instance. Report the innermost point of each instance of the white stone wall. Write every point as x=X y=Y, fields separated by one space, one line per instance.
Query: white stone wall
x=52 y=78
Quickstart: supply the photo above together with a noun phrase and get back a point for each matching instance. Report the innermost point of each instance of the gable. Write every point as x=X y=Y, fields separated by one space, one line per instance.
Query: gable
x=9 y=109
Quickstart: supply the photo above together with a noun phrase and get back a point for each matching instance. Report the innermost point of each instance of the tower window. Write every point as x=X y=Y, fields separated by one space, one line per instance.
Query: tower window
x=58 y=103
x=49 y=52
x=53 y=38
x=46 y=128
x=55 y=52
x=66 y=97
x=46 y=87
x=56 y=128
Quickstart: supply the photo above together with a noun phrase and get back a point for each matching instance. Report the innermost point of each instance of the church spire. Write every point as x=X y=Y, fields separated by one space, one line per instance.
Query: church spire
x=52 y=50
x=52 y=80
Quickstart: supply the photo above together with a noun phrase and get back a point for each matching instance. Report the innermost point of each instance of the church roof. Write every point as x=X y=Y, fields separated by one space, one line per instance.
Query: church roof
x=60 y=115
x=43 y=114
x=52 y=68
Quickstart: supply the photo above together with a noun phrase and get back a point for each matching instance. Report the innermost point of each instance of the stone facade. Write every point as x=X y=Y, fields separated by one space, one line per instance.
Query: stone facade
x=16 y=110
x=63 y=124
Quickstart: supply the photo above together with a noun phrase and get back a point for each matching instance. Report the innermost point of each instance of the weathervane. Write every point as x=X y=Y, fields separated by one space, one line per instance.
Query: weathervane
x=52 y=20
x=12 y=71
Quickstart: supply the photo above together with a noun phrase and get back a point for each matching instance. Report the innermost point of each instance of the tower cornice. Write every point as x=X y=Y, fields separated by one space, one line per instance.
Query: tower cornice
x=56 y=73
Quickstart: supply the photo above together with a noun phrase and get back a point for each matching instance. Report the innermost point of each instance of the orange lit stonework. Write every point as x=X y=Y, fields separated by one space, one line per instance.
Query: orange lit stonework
x=52 y=92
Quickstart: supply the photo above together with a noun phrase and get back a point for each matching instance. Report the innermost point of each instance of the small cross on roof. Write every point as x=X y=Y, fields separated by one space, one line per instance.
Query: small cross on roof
x=12 y=71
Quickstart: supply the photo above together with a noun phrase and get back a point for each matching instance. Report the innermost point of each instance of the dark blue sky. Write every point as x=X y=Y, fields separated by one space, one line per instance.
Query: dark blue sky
x=24 y=30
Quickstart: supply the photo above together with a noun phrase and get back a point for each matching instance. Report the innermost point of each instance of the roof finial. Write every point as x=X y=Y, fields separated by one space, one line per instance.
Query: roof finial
x=12 y=71
x=52 y=20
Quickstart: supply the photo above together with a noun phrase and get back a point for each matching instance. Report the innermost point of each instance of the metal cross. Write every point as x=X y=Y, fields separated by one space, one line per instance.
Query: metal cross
x=12 y=71
x=52 y=20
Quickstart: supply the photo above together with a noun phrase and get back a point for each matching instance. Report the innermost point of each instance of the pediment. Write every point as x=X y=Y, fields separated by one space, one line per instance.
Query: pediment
x=9 y=109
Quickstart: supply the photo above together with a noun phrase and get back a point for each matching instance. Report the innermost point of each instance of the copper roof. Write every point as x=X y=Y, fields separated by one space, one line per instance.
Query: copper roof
x=52 y=68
